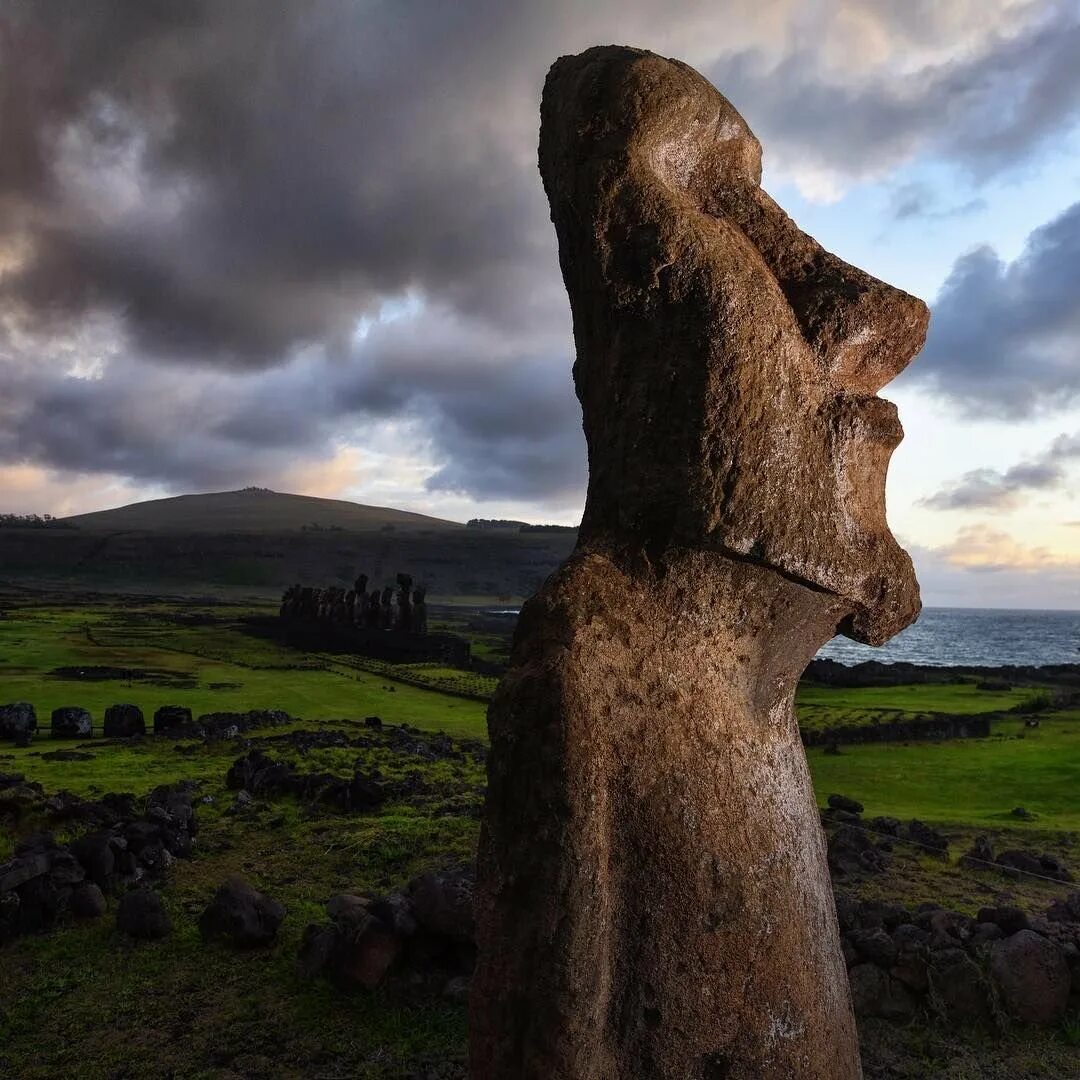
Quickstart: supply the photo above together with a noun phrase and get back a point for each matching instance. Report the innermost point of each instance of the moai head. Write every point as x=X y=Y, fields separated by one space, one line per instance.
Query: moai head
x=726 y=363
x=360 y=585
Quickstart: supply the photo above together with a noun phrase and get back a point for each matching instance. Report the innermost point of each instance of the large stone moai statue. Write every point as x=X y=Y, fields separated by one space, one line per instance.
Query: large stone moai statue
x=653 y=896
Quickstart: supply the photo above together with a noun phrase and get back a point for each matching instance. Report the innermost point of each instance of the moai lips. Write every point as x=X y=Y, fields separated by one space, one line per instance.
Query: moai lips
x=653 y=899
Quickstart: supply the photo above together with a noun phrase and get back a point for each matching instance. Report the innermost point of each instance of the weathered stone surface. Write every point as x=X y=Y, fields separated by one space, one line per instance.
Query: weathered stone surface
x=1032 y=976
x=88 y=901
x=71 y=722
x=653 y=896
x=124 y=722
x=241 y=915
x=17 y=720
x=442 y=903
x=843 y=802
x=876 y=993
x=171 y=716
x=959 y=988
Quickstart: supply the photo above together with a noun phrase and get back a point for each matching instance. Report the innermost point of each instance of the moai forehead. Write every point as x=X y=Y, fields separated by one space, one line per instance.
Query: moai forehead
x=726 y=363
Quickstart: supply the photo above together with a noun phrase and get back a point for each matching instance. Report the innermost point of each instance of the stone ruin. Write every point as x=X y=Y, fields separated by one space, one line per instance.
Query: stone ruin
x=653 y=895
x=388 y=623
x=405 y=612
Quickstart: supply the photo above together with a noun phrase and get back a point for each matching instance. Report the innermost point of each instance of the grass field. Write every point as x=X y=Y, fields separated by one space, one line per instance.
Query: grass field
x=81 y=1001
x=202 y=661
x=198 y=655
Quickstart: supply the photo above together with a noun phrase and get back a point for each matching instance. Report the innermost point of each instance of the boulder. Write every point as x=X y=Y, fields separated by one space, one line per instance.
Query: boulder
x=1010 y=920
x=980 y=856
x=349 y=911
x=1066 y=910
x=88 y=901
x=958 y=988
x=124 y=722
x=141 y=914
x=71 y=722
x=442 y=903
x=364 y=958
x=17 y=720
x=889 y=826
x=875 y=992
x=1032 y=976
x=21 y=869
x=874 y=946
x=842 y=802
x=169 y=717
x=241 y=915
x=853 y=851
x=920 y=833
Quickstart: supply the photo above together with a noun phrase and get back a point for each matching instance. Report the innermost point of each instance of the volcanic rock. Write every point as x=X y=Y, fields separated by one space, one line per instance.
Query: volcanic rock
x=71 y=722
x=1032 y=977
x=650 y=821
x=124 y=722
x=17 y=720
x=241 y=915
x=169 y=717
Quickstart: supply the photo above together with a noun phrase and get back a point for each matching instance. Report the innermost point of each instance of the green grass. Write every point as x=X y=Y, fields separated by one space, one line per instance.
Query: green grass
x=823 y=707
x=209 y=668
x=974 y=782
x=80 y=1001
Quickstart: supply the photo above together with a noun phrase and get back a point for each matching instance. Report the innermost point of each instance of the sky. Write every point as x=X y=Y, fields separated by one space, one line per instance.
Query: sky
x=304 y=245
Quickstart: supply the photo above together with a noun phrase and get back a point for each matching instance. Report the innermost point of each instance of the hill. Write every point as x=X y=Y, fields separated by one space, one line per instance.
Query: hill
x=251 y=510
x=257 y=543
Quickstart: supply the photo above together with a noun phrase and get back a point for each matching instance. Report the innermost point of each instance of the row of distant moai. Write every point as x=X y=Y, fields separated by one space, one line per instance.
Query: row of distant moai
x=375 y=610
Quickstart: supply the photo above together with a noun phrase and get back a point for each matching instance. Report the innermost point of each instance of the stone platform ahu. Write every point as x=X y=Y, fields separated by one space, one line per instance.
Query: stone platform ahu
x=653 y=895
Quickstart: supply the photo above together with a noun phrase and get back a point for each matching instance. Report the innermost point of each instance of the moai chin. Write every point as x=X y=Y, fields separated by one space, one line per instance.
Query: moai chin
x=653 y=896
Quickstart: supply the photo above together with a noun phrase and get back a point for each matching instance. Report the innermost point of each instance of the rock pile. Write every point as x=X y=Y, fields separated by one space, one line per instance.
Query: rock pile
x=856 y=846
x=178 y=723
x=420 y=939
x=259 y=774
x=122 y=848
x=968 y=970
x=1014 y=863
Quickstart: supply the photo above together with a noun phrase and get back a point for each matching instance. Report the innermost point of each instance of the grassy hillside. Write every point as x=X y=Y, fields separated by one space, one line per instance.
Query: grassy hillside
x=251 y=510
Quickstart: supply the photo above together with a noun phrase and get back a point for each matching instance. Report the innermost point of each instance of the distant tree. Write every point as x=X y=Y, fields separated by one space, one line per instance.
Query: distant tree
x=33 y=521
x=494 y=523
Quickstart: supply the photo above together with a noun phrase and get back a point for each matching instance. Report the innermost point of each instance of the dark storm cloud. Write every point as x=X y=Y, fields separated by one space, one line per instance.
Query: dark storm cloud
x=200 y=201
x=989 y=489
x=1004 y=339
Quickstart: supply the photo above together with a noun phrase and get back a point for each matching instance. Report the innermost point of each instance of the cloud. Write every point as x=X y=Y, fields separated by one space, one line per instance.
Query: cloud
x=982 y=549
x=986 y=103
x=919 y=200
x=989 y=489
x=1004 y=338
x=210 y=213
x=1022 y=577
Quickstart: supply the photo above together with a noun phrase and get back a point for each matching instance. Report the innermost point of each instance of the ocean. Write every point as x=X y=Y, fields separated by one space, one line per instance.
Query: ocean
x=974 y=636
